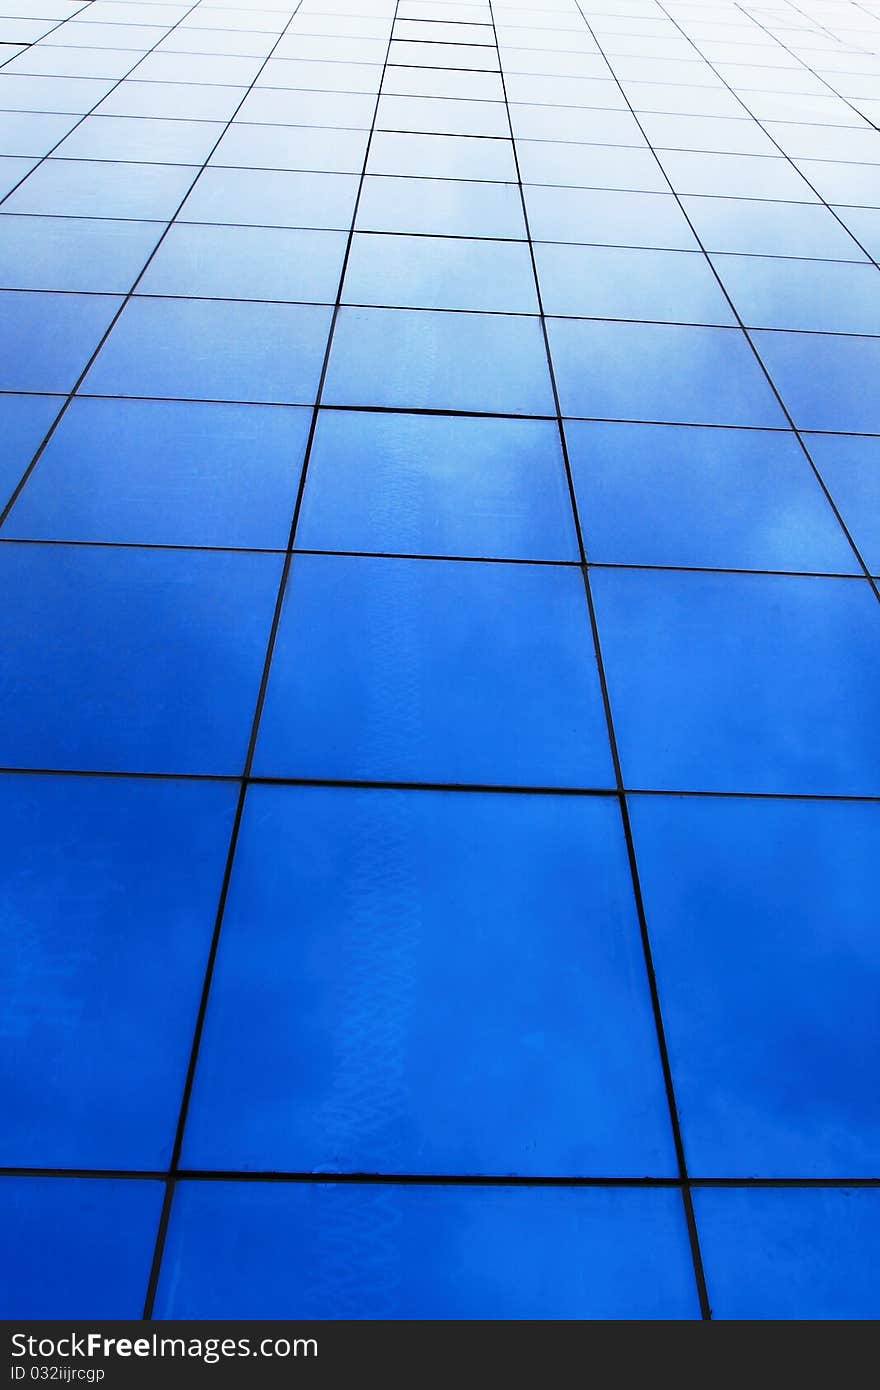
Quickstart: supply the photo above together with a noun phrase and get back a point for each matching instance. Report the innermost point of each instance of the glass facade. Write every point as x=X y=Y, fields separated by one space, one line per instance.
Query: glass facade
x=441 y=653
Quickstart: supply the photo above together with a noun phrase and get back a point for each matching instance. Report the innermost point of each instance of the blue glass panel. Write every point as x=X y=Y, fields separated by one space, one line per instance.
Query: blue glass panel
x=25 y=93
x=667 y=495
x=366 y=1040
x=441 y=273
x=595 y=127
x=864 y=223
x=47 y=339
x=62 y=61
x=443 y=82
x=735 y=176
x=214 y=350
x=821 y=297
x=175 y=99
x=148 y=141
x=69 y=253
x=289 y=147
x=791 y=1253
x=437 y=55
x=590 y=166
x=345 y=1251
x=347 y=110
x=610 y=216
x=771 y=229
x=166 y=473
x=443 y=117
x=31 y=132
x=24 y=421
x=825 y=142
x=247 y=263
x=272 y=198
x=757 y=683
x=438 y=361
x=762 y=917
x=633 y=371
x=619 y=283
x=448 y=207
x=850 y=468
x=827 y=382
x=589 y=92
x=132 y=660
x=844 y=183
x=323 y=76
x=207 y=67
x=720 y=135
x=442 y=157
x=89 y=188
x=100 y=1234
x=431 y=670
x=437 y=485
x=109 y=894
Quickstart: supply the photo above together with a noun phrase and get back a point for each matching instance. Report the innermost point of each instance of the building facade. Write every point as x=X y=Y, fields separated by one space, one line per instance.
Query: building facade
x=441 y=641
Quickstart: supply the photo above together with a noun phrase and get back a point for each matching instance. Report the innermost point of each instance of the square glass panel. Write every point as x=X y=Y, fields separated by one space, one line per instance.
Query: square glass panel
x=292 y=147
x=864 y=224
x=73 y=253
x=272 y=198
x=132 y=660
x=826 y=381
x=171 y=99
x=103 y=1232
x=440 y=273
x=810 y=296
x=308 y=1064
x=213 y=350
x=442 y=157
x=112 y=885
x=590 y=166
x=727 y=499
x=620 y=283
x=47 y=339
x=753 y=227
x=31 y=132
x=444 y=207
x=607 y=217
x=221 y=262
x=790 y=1253
x=345 y=110
x=77 y=95
x=683 y=375
x=439 y=361
x=735 y=176
x=270 y=1249
x=858 y=184
x=89 y=188
x=437 y=485
x=442 y=116
x=742 y=683
x=141 y=140
x=762 y=919
x=165 y=473
x=437 y=671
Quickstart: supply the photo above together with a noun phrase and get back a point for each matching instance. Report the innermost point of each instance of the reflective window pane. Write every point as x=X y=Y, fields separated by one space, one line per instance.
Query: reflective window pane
x=266 y=1249
x=497 y=1100
x=352 y=667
